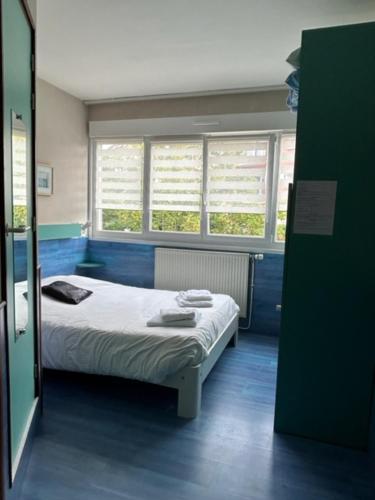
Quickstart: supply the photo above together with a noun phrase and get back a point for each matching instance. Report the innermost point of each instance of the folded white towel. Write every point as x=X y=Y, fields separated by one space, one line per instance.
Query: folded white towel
x=176 y=314
x=197 y=303
x=196 y=295
x=184 y=323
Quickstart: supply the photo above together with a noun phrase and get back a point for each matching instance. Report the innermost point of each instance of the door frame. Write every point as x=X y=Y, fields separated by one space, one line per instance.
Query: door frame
x=7 y=485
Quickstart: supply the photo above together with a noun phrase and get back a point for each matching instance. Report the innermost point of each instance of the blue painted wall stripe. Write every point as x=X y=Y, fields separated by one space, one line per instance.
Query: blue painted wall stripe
x=127 y=263
x=133 y=264
x=55 y=256
x=267 y=294
x=61 y=256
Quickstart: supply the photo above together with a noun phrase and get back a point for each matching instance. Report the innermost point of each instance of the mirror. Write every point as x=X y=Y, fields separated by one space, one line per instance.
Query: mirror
x=20 y=221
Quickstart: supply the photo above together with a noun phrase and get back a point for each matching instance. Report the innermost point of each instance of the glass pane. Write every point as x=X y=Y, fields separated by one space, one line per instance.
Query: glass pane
x=176 y=186
x=237 y=195
x=129 y=221
x=230 y=224
x=20 y=221
x=286 y=172
x=176 y=222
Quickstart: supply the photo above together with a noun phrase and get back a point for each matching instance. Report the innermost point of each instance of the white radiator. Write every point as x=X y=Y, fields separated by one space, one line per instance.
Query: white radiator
x=220 y=272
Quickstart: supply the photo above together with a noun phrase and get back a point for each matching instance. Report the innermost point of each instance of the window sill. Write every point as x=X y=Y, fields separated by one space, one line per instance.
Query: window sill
x=252 y=247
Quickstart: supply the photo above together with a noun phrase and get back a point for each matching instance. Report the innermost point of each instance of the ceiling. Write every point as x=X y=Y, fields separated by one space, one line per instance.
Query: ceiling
x=99 y=49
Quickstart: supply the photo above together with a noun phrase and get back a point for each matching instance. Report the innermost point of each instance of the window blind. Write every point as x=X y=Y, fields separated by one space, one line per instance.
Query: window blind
x=119 y=175
x=286 y=170
x=237 y=175
x=176 y=176
x=19 y=169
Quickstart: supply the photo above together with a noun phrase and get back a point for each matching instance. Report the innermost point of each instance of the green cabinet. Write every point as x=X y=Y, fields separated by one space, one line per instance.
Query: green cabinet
x=327 y=344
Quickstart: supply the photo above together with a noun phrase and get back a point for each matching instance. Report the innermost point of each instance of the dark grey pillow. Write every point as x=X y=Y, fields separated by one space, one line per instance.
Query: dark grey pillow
x=66 y=292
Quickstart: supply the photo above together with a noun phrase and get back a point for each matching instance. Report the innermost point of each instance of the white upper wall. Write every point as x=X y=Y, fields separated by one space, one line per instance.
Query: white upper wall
x=97 y=49
x=62 y=142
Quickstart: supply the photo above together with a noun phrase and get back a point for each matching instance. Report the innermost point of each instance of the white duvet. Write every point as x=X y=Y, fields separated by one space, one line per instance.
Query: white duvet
x=106 y=334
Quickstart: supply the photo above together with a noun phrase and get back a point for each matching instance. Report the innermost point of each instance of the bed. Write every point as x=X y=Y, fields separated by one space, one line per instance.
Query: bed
x=106 y=334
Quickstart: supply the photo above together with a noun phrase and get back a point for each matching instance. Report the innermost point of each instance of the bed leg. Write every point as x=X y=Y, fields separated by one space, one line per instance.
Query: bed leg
x=234 y=340
x=190 y=394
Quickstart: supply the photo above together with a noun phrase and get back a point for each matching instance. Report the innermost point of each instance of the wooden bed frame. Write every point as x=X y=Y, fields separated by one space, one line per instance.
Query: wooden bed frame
x=189 y=380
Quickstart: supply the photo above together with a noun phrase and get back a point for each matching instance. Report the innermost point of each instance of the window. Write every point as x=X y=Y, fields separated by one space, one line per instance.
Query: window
x=210 y=189
x=236 y=194
x=19 y=178
x=286 y=170
x=176 y=186
x=119 y=185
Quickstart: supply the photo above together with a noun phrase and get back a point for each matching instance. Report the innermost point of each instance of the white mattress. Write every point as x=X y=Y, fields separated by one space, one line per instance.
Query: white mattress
x=106 y=334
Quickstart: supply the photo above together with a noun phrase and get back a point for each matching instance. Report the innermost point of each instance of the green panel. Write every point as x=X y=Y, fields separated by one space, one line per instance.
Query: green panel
x=58 y=231
x=327 y=343
x=17 y=49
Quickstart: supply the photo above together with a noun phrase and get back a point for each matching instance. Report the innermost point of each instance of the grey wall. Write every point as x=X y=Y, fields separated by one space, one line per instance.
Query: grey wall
x=62 y=142
x=250 y=102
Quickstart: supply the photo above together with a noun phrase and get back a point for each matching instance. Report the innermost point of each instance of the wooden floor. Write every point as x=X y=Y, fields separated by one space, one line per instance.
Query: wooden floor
x=104 y=439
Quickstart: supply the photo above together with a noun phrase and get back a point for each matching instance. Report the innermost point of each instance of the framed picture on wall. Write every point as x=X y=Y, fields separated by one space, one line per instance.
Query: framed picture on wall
x=44 y=179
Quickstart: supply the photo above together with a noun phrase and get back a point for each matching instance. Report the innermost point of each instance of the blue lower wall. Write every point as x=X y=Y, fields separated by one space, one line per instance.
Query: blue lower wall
x=20 y=261
x=127 y=263
x=133 y=264
x=267 y=294
x=61 y=256
x=55 y=256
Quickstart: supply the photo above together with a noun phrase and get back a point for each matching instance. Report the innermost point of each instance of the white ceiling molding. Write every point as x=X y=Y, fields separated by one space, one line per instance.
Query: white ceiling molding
x=182 y=95
x=191 y=125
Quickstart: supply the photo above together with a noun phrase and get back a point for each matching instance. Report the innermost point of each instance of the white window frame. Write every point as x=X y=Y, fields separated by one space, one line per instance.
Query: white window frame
x=204 y=239
x=93 y=212
x=279 y=244
x=244 y=240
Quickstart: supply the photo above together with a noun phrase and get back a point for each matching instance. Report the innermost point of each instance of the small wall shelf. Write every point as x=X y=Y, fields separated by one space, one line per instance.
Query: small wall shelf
x=90 y=265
